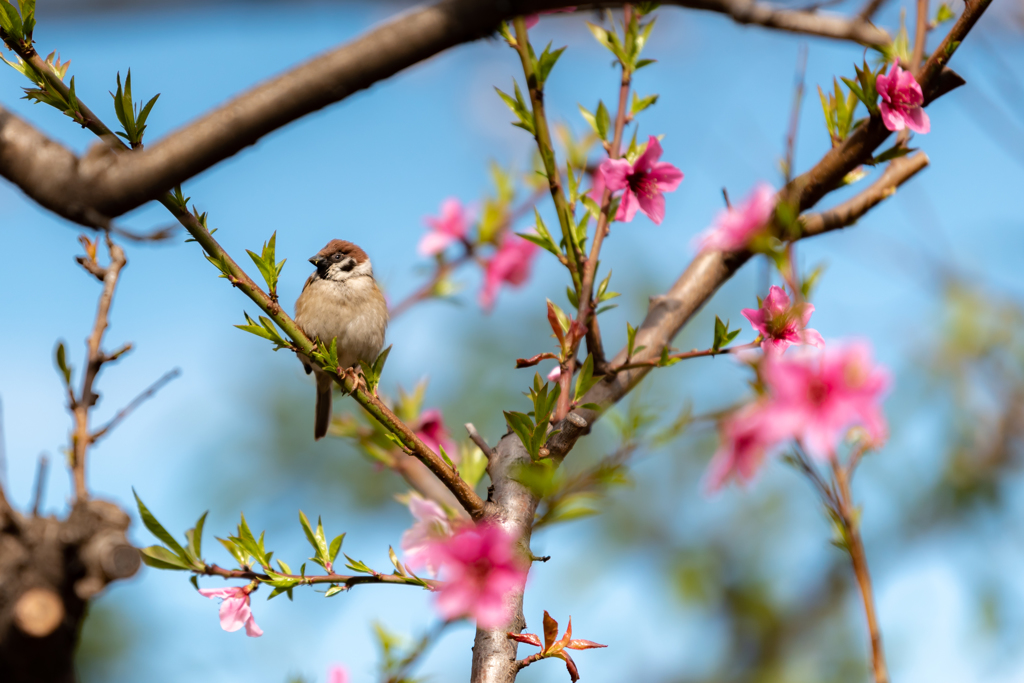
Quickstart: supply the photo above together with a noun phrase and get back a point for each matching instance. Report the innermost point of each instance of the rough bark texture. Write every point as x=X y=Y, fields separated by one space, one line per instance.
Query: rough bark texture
x=49 y=569
x=512 y=506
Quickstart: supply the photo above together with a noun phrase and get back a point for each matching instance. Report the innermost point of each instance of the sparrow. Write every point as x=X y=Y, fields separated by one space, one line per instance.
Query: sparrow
x=341 y=301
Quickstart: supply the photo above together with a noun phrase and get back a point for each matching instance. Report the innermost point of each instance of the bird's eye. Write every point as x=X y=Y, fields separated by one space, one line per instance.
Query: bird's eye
x=336 y=257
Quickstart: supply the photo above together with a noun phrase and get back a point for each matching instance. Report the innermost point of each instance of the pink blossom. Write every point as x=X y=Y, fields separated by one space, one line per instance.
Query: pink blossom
x=337 y=674
x=482 y=568
x=901 y=101
x=431 y=524
x=747 y=436
x=781 y=324
x=643 y=182
x=510 y=264
x=431 y=431
x=735 y=227
x=817 y=397
x=555 y=373
x=531 y=19
x=449 y=227
x=234 y=609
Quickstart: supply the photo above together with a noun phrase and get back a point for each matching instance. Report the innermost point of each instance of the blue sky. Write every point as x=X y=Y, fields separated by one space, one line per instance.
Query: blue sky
x=368 y=170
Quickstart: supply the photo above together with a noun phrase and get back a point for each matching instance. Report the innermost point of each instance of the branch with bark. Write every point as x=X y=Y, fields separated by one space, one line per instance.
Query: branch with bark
x=107 y=183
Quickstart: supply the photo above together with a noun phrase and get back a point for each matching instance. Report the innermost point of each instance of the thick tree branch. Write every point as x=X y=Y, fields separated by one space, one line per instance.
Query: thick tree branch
x=108 y=185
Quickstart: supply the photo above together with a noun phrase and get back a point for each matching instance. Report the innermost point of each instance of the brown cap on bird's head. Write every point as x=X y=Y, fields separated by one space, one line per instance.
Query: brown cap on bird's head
x=342 y=249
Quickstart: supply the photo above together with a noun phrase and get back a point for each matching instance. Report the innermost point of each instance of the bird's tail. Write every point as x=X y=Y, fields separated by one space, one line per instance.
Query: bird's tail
x=324 y=390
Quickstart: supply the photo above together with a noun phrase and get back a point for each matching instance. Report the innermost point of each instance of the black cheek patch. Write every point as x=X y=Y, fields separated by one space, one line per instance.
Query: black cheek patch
x=349 y=265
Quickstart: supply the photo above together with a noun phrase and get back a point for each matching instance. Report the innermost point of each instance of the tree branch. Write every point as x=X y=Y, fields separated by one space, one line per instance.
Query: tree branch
x=81 y=405
x=106 y=185
x=347 y=580
x=706 y=273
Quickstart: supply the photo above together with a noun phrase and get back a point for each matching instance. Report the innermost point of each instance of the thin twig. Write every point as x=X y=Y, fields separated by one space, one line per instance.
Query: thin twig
x=586 y=315
x=654 y=362
x=794 y=115
x=860 y=569
x=135 y=403
x=476 y=438
x=426 y=291
x=337 y=579
x=96 y=358
x=41 y=471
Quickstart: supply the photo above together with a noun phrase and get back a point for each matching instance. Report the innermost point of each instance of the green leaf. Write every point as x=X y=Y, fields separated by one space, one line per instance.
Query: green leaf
x=630 y=340
x=266 y=262
x=639 y=104
x=62 y=363
x=10 y=20
x=603 y=120
x=545 y=63
x=159 y=557
x=585 y=379
x=157 y=529
x=721 y=330
x=587 y=116
x=335 y=547
x=943 y=14
x=357 y=566
x=444 y=456
x=195 y=544
x=522 y=426
x=472 y=465
x=807 y=286
x=235 y=550
x=602 y=289
x=334 y=590
x=574 y=300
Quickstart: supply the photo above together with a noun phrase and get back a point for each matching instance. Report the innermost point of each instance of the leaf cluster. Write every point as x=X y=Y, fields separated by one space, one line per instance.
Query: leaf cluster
x=556 y=647
x=839 y=110
x=18 y=24
x=132 y=116
x=172 y=555
x=532 y=427
x=268 y=265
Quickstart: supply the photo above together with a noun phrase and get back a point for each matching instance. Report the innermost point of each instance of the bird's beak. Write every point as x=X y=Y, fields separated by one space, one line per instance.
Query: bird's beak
x=317 y=260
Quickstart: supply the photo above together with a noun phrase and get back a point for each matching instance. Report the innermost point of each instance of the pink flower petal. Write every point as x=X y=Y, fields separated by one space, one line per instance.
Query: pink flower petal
x=614 y=173
x=434 y=243
x=666 y=176
x=650 y=157
x=628 y=206
x=917 y=120
x=234 y=612
x=653 y=205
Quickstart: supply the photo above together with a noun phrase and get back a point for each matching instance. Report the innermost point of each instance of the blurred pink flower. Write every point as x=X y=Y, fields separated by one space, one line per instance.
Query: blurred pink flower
x=234 y=609
x=531 y=19
x=431 y=431
x=337 y=674
x=901 y=101
x=510 y=264
x=555 y=373
x=643 y=183
x=482 y=568
x=735 y=227
x=817 y=397
x=746 y=437
x=431 y=525
x=781 y=324
x=445 y=229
